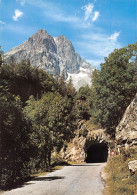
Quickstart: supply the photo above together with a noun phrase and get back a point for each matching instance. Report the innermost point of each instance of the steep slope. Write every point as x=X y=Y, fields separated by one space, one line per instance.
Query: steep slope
x=126 y=131
x=54 y=55
x=69 y=60
x=40 y=49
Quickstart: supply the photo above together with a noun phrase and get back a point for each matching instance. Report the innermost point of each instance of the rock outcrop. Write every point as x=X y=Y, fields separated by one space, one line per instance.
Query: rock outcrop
x=126 y=132
x=88 y=138
x=132 y=165
x=53 y=55
x=86 y=135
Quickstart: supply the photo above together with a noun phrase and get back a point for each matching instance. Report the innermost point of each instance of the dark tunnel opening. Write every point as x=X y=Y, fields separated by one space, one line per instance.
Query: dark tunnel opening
x=97 y=153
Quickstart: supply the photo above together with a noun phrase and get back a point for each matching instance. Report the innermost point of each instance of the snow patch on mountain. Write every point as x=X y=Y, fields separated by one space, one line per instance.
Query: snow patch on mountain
x=81 y=78
x=54 y=55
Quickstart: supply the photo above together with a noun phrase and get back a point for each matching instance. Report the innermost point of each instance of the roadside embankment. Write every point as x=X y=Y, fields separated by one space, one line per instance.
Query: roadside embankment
x=117 y=176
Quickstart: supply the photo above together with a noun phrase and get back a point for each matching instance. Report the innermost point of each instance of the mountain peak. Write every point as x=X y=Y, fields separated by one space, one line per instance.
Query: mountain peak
x=63 y=38
x=54 y=55
x=41 y=33
x=62 y=42
x=39 y=36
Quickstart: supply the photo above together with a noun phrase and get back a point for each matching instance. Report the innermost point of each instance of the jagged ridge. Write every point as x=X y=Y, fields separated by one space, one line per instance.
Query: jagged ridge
x=54 y=55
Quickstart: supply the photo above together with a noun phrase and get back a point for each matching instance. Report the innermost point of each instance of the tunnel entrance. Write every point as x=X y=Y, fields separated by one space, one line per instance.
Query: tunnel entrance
x=97 y=153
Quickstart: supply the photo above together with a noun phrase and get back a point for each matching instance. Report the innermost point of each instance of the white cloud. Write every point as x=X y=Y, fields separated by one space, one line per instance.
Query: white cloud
x=62 y=17
x=56 y=13
x=52 y=11
x=114 y=36
x=93 y=44
x=88 y=10
x=1 y=22
x=97 y=51
x=22 y=2
x=95 y=17
x=17 y=15
x=97 y=45
x=89 y=15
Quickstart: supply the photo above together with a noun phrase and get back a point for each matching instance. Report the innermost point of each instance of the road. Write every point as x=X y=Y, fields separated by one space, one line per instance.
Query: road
x=82 y=179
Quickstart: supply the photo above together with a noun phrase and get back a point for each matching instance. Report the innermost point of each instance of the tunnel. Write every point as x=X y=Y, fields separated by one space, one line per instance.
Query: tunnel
x=97 y=153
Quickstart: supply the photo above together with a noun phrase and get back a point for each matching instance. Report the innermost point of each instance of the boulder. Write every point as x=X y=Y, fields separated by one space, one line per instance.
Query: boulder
x=132 y=165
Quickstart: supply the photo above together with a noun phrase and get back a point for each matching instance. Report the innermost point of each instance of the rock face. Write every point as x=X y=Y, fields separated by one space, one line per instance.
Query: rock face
x=53 y=55
x=40 y=49
x=132 y=165
x=126 y=132
x=85 y=137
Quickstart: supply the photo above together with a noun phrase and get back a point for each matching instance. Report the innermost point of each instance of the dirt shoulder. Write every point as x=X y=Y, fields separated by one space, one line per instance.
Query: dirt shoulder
x=104 y=177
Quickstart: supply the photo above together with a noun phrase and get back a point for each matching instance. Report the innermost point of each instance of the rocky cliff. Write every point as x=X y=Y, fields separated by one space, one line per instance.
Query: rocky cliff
x=54 y=55
x=86 y=136
x=90 y=142
x=126 y=132
x=40 y=49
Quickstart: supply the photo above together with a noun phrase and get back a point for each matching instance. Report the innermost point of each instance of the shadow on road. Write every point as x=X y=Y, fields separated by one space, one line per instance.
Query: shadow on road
x=86 y=165
x=30 y=181
x=47 y=178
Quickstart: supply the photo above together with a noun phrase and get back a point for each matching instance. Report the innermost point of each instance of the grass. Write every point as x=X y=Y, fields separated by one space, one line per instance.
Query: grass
x=120 y=181
x=75 y=162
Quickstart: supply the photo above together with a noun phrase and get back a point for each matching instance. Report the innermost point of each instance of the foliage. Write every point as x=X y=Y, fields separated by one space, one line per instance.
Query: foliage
x=120 y=180
x=24 y=80
x=14 y=141
x=56 y=160
x=82 y=110
x=114 y=87
x=51 y=108
x=84 y=94
x=62 y=84
x=1 y=55
x=65 y=88
x=70 y=90
x=52 y=121
x=26 y=142
x=82 y=106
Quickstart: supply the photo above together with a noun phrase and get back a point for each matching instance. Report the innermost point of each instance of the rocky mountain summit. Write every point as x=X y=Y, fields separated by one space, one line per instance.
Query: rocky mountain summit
x=54 y=55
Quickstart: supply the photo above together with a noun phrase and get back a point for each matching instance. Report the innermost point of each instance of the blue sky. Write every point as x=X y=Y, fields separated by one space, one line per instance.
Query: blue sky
x=95 y=27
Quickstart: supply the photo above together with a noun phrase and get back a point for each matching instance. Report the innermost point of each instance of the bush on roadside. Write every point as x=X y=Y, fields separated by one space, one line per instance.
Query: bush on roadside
x=56 y=159
x=14 y=141
x=120 y=180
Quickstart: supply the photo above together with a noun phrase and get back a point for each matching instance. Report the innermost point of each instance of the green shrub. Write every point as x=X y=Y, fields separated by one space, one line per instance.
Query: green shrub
x=120 y=180
x=56 y=159
x=14 y=141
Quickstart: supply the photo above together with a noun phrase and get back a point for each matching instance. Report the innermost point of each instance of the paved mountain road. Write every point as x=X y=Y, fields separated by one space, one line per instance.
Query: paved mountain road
x=82 y=179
